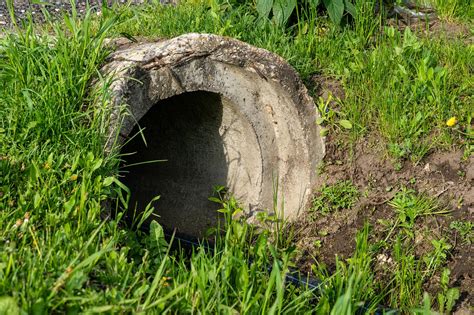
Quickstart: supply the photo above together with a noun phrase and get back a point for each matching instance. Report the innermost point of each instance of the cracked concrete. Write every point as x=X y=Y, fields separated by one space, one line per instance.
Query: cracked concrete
x=216 y=111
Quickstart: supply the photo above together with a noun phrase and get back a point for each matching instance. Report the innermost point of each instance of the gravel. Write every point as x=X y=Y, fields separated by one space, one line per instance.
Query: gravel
x=55 y=7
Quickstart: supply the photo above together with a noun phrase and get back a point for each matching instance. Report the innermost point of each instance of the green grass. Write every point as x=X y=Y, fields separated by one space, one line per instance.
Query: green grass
x=409 y=269
x=331 y=198
x=465 y=230
x=453 y=9
x=397 y=84
x=62 y=250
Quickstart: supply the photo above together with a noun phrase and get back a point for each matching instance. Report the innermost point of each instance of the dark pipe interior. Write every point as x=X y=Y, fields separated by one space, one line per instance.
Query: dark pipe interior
x=184 y=131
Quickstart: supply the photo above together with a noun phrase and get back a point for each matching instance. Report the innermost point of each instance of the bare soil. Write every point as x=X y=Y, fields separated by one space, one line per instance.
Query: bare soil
x=436 y=28
x=443 y=175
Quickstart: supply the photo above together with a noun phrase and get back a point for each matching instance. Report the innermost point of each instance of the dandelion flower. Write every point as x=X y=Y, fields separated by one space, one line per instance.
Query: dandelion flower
x=451 y=121
x=73 y=177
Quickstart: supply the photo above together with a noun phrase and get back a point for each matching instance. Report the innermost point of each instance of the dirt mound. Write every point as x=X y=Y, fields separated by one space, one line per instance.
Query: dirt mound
x=446 y=177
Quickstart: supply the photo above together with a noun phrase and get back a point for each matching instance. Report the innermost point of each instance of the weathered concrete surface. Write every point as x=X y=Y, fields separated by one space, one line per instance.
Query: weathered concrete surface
x=220 y=112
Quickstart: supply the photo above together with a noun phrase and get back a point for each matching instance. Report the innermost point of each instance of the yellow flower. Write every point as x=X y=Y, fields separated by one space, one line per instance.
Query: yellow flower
x=165 y=282
x=73 y=177
x=451 y=121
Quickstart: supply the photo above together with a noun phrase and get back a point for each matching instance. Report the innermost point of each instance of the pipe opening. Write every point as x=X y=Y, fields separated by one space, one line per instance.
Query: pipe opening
x=245 y=121
x=202 y=139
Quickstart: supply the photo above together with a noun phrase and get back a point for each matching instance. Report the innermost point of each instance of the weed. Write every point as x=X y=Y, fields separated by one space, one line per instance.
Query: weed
x=367 y=23
x=328 y=199
x=408 y=276
x=350 y=288
x=330 y=118
x=464 y=228
x=448 y=296
x=410 y=271
x=409 y=207
x=280 y=11
x=438 y=256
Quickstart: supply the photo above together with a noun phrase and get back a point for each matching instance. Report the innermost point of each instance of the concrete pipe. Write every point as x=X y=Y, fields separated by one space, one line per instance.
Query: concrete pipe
x=215 y=111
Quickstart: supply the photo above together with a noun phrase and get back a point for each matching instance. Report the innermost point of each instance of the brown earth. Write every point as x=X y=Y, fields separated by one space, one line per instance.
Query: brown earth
x=444 y=176
x=436 y=28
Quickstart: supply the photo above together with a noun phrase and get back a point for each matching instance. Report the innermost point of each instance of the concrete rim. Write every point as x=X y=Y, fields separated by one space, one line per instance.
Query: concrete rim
x=256 y=85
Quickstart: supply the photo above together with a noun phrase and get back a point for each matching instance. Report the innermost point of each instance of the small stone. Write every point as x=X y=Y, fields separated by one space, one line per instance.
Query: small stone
x=384 y=259
x=470 y=173
x=427 y=168
x=418 y=238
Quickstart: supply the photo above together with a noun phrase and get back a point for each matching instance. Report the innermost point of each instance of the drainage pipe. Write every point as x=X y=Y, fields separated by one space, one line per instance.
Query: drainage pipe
x=214 y=111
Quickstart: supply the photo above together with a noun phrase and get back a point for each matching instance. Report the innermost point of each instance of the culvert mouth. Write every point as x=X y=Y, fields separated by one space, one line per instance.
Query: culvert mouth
x=183 y=147
x=219 y=112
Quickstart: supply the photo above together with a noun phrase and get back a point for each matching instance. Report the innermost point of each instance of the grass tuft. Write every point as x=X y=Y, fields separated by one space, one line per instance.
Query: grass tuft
x=332 y=198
